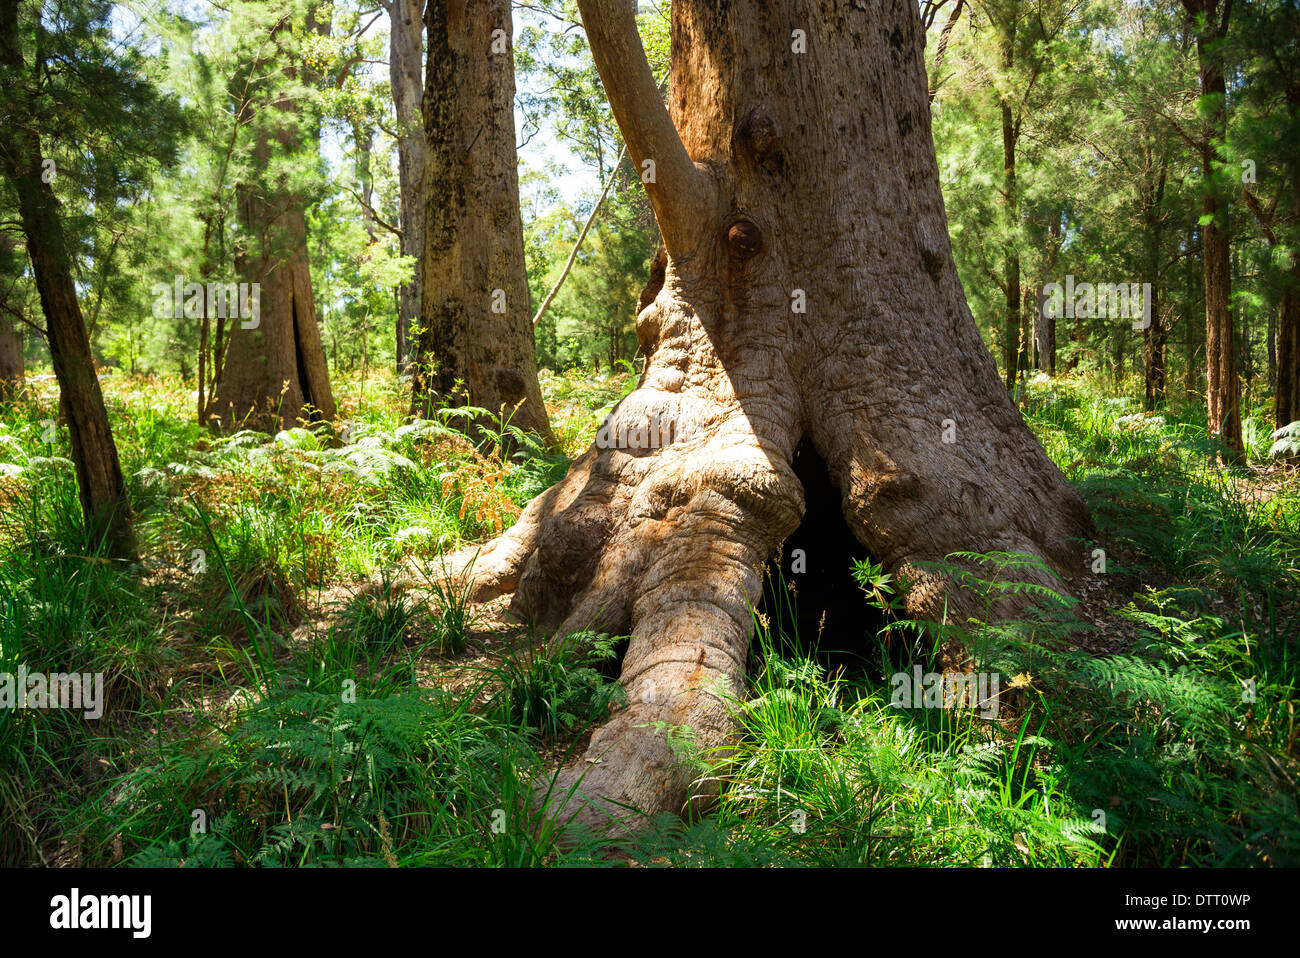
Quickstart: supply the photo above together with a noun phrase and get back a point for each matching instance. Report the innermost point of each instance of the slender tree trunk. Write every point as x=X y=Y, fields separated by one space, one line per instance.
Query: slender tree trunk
x=1286 y=399
x=1011 y=206
x=1154 y=336
x=1284 y=326
x=205 y=328
x=365 y=141
x=94 y=454
x=11 y=337
x=477 y=342
x=11 y=358
x=1270 y=349
x=405 y=68
x=809 y=317
x=942 y=48
x=1223 y=388
x=1044 y=326
x=1194 y=275
x=573 y=253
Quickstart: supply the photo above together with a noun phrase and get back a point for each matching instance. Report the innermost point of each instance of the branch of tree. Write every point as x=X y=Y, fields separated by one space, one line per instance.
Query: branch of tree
x=1264 y=218
x=573 y=254
x=676 y=191
x=943 y=45
x=370 y=211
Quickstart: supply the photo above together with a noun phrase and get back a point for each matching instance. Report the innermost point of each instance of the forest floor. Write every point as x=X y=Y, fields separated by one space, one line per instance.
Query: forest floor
x=277 y=691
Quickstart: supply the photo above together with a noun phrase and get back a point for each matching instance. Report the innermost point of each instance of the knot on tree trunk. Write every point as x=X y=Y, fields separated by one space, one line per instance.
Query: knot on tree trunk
x=744 y=239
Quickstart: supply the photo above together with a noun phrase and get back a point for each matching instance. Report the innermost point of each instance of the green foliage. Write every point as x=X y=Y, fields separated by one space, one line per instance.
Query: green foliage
x=273 y=663
x=556 y=688
x=215 y=702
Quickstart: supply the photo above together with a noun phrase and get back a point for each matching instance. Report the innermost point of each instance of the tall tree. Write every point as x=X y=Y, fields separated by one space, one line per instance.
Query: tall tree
x=1223 y=386
x=63 y=80
x=274 y=373
x=1270 y=44
x=1044 y=325
x=809 y=321
x=1027 y=36
x=476 y=341
x=405 y=68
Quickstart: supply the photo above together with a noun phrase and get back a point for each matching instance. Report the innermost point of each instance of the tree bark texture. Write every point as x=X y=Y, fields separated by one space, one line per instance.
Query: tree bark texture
x=808 y=299
x=476 y=344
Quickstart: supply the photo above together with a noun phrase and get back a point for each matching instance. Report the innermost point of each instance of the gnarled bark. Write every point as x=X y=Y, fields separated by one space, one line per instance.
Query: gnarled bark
x=809 y=296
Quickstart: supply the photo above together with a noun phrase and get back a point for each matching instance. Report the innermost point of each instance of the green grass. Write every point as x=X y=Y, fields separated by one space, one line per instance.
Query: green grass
x=555 y=689
x=262 y=707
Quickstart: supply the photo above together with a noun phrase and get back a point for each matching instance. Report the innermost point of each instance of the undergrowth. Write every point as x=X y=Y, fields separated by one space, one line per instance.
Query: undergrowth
x=289 y=679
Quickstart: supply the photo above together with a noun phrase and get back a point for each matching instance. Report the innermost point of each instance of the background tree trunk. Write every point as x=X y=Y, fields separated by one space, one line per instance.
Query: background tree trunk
x=11 y=337
x=406 y=75
x=11 y=358
x=477 y=342
x=274 y=370
x=810 y=317
x=1286 y=398
x=1223 y=388
x=1154 y=336
x=1286 y=401
x=1011 y=206
x=1044 y=325
x=1195 y=278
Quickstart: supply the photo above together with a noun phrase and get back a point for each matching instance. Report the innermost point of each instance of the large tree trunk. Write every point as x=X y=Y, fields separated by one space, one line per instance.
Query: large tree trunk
x=274 y=368
x=94 y=454
x=476 y=344
x=1223 y=387
x=406 y=47
x=809 y=301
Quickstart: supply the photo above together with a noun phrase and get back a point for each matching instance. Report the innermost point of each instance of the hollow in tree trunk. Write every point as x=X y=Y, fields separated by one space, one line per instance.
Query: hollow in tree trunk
x=809 y=301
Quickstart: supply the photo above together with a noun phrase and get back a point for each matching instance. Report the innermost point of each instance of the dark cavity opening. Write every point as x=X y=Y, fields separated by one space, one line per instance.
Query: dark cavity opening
x=304 y=380
x=821 y=610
